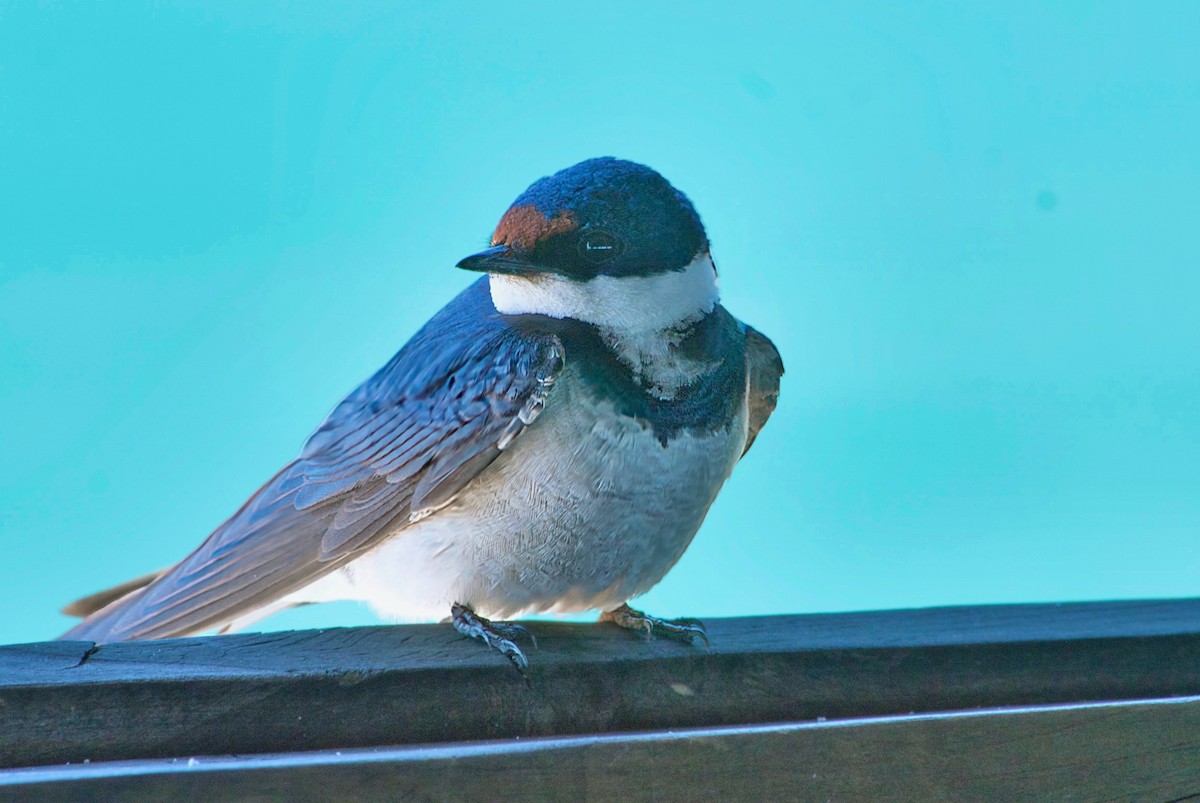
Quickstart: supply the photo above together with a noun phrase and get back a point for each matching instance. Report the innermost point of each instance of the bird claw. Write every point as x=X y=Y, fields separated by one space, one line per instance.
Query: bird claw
x=511 y=630
x=497 y=635
x=685 y=630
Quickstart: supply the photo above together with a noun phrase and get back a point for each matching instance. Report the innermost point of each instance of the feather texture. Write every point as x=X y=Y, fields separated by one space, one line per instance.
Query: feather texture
x=404 y=443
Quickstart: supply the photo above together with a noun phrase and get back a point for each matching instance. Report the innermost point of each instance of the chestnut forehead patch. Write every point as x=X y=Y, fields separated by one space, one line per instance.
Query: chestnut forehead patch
x=524 y=226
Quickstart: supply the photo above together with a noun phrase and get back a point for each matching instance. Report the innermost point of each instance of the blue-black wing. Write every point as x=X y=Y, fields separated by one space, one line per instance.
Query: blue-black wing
x=400 y=446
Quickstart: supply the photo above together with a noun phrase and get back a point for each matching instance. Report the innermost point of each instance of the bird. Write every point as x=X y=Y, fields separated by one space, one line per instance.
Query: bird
x=550 y=441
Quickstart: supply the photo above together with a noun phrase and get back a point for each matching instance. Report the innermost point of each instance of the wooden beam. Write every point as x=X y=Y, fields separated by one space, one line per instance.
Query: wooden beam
x=368 y=687
x=1148 y=750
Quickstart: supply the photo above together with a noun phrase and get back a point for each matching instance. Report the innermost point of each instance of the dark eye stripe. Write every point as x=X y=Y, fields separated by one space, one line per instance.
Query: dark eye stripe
x=598 y=246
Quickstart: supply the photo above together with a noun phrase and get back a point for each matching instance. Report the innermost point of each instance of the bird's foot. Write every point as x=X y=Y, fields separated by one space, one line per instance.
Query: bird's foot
x=497 y=635
x=686 y=630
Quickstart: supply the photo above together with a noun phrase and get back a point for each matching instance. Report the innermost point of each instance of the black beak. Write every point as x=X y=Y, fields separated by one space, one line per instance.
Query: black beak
x=498 y=259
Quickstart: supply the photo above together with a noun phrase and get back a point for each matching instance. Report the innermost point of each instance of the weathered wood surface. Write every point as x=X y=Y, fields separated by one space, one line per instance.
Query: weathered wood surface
x=369 y=687
x=1130 y=752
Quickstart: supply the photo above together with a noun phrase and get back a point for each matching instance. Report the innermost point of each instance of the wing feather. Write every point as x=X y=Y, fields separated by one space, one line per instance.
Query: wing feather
x=764 y=367
x=405 y=442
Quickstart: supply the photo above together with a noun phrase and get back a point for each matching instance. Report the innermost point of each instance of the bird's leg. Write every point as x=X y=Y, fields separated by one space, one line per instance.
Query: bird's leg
x=687 y=630
x=498 y=635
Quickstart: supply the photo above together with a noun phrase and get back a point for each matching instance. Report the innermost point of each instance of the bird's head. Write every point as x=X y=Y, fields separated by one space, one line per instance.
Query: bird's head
x=608 y=242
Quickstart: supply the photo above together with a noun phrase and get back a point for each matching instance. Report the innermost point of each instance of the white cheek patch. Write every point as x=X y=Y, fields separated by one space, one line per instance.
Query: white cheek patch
x=624 y=305
x=641 y=318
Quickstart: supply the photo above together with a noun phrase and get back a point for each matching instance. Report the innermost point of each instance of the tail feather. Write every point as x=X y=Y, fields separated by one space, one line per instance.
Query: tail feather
x=86 y=606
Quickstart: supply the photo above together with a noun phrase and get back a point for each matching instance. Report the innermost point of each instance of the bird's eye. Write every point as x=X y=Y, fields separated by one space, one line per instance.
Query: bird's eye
x=597 y=246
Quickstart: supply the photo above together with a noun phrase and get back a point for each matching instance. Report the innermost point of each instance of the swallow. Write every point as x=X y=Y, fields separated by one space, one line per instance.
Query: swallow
x=549 y=442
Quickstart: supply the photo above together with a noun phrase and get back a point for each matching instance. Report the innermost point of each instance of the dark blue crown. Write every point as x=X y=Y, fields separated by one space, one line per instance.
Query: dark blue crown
x=605 y=216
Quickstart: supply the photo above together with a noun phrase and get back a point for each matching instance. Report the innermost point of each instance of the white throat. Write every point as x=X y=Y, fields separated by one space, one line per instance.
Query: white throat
x=641 y=317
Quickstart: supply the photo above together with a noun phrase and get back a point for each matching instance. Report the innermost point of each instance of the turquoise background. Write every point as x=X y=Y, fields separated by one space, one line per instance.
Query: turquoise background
x=971 y=231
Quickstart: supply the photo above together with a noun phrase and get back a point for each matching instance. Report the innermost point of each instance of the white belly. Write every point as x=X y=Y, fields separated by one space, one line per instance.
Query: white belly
x=585 y=510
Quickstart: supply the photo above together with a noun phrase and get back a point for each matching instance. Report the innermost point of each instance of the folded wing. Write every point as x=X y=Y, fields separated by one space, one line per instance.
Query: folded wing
x=399 y=447
x=764 y=367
